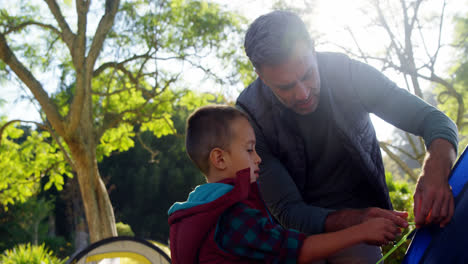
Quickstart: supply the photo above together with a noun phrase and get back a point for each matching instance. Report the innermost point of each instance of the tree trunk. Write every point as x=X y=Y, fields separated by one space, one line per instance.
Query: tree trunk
x=77 y=216
x=52 y=227
x=399 y=161
x=35 y=232
x=96 y=202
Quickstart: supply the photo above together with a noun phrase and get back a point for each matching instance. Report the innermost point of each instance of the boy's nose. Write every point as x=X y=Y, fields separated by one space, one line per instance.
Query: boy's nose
x=258 y=159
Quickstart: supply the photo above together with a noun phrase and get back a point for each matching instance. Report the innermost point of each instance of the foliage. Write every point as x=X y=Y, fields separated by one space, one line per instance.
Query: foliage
x=25 y=222
x=459 y=72
x=28 y=254
x=401 y=195
x=59 y=245
x=25 y=156
x=144 y=187
x=32 y=213
x=124 y=229
x=104 y=71
x=11 y=230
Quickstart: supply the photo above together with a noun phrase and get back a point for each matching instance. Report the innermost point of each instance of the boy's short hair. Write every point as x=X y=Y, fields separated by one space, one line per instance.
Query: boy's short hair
x=209 y=127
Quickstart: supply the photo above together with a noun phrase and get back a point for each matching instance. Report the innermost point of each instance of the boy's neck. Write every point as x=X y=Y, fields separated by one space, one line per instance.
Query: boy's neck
x=217 y=176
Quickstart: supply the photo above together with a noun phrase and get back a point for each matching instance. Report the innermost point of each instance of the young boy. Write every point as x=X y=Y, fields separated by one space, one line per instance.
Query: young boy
x=225 y=220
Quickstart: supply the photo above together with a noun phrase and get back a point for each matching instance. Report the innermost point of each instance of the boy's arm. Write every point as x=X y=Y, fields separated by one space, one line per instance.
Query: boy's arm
x=245 y=232
x=376 y=231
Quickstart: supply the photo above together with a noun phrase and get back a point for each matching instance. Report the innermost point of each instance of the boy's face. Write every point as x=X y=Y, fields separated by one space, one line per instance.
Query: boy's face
x=241 y=153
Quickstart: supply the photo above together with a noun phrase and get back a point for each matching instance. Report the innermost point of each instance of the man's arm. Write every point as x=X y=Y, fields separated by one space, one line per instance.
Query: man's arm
x=285 y=202
x=433 y=198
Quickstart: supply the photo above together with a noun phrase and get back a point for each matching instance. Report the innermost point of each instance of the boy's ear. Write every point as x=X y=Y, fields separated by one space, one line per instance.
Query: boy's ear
x=217 y=158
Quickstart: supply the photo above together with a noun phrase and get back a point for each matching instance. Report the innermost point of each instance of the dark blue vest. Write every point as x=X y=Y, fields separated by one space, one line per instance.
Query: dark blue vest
x=351 y=120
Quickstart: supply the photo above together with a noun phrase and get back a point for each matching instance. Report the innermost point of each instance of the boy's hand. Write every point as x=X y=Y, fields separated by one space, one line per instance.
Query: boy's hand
x=379 y=231
x=398 y=218
x=342 y=219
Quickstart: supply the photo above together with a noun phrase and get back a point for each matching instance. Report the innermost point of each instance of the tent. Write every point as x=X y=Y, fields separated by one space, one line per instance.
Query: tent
x=433 y=244
x=121 y=250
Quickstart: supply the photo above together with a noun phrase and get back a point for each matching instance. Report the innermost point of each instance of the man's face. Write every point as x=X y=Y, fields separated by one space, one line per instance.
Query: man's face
x=295 y=82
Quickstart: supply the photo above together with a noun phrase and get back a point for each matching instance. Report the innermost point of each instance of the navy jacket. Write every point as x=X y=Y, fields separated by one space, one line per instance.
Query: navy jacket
x=354 y=90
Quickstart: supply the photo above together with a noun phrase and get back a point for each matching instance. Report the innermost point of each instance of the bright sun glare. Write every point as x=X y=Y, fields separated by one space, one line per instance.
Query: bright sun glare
x=331 y=19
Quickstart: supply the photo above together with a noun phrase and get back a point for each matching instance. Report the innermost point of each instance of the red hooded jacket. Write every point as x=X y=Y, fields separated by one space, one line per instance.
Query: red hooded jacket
x=192 y=230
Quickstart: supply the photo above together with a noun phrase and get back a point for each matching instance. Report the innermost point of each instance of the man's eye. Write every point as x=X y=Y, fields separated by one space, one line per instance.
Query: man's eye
x=307 y=76
x=249 y=150
x=286 y=87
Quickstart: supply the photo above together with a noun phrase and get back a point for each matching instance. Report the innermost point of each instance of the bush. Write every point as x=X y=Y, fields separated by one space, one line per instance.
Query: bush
x=124 y=229
x=28 y=254
x=401 y=194
x=59 y=245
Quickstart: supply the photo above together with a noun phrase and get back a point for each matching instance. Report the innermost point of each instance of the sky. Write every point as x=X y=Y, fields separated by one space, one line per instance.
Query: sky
x=330 y=19
x=328 y=22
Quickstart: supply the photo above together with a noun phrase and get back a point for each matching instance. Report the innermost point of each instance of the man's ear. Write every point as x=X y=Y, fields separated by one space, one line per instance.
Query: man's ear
x=259 y=74
x=218 y=159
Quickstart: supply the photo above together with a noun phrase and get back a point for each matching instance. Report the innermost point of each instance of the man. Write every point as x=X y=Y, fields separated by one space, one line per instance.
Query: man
x=310 y=112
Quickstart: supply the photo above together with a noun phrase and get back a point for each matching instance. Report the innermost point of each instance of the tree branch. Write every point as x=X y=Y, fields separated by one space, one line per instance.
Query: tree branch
x=67 y=35
x=33 y=84
x=106 y=65
x=152 y=152
x=415 y=149
x=5 y=126
x=398 y=161
x=32 y=23
x=451 y=90
x=82 y=8
x=83 y=80
x=113 y=119
x=45 y=127
x=356 y=43
x=439 y=39
x=105 y=24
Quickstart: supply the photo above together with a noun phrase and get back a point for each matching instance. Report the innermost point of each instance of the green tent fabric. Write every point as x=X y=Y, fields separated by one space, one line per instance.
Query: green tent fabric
x=121 y=250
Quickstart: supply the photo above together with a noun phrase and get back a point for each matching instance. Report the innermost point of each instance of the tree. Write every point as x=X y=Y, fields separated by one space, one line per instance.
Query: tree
x=415 y=42
x=25 y=157
x=117 y=67
x=459 y=75
x=159 y=179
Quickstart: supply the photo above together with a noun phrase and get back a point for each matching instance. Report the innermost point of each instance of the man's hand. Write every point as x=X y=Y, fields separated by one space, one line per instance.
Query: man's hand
x=433 y=198
x=349 y=217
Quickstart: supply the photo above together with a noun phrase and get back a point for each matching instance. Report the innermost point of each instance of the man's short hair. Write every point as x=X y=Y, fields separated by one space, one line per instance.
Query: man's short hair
x=271 y=38
x=209 y=127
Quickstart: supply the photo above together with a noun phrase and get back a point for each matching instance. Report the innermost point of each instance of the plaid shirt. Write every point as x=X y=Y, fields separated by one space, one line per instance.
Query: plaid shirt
x=244 y=231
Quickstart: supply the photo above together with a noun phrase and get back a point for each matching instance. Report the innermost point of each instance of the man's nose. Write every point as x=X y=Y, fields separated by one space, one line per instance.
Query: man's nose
x=301 y=91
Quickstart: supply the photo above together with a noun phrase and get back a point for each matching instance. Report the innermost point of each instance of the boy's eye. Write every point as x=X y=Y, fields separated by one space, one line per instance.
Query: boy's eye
x=249 y=150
